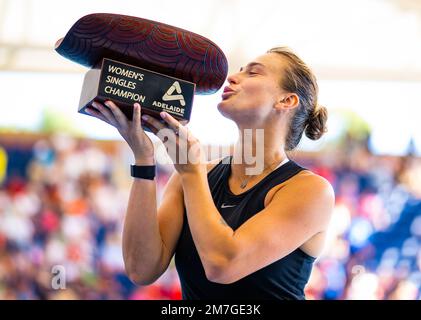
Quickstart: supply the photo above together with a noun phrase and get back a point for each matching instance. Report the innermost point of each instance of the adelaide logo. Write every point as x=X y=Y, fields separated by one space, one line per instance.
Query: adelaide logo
x=169 y=96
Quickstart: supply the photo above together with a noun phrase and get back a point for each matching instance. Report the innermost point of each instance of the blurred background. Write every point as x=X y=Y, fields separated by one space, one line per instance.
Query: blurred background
x=64 y=178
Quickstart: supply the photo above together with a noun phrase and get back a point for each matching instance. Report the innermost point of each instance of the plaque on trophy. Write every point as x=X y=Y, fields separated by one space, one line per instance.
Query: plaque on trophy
x=133 y=60
x=127 y=84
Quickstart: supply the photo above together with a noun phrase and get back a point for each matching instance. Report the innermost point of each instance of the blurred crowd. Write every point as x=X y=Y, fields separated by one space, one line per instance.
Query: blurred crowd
x=62 y=209
x=373 y=246
x=62 y=205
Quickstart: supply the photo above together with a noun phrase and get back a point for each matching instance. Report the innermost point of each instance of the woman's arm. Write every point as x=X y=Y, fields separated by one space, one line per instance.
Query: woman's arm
x=150 y=235
x=298 y=211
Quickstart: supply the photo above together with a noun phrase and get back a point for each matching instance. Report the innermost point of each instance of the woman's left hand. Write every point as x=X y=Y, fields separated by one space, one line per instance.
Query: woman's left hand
x=184 y=149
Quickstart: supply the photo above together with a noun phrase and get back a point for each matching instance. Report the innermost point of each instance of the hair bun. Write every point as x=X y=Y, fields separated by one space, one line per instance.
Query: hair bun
x=316 y=124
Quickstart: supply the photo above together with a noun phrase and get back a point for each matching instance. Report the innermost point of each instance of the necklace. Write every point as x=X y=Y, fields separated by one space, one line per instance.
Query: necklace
x=246 y=180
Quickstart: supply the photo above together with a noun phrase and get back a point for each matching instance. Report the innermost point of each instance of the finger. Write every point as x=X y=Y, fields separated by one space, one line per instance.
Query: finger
x=151 y=121
x=95 y=113
x=151 y=128
x=137 y=112
x=106 y=113
x=173 y=123
x=118 y=114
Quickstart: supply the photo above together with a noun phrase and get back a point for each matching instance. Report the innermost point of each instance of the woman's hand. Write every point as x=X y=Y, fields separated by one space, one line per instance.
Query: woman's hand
x=131 y=131
x=184 y=149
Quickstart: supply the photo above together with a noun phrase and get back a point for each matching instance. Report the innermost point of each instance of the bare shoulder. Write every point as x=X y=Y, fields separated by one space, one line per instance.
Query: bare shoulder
x=309 y=180
x=306 y=193
x=313 y=190
x=304 y=181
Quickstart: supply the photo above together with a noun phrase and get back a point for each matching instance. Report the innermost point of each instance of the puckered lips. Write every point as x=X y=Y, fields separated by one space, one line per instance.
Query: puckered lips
x=227 y=92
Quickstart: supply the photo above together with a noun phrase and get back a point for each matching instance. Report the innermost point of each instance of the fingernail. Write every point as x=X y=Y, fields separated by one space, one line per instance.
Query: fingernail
x=107 y=103
x=145 y=117
x=163 y=114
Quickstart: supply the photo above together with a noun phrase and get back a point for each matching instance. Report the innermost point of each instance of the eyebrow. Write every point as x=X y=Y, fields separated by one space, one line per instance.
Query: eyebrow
x=253 y=64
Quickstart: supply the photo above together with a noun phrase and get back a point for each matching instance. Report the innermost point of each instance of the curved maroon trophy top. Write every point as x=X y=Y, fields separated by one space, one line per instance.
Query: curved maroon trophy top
x=146 y=44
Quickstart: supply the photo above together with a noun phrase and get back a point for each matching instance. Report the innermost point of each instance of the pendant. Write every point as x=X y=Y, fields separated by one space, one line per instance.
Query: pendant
x=243 y=184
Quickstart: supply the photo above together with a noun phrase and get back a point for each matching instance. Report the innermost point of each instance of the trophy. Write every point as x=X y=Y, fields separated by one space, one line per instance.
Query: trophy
x=138 y=60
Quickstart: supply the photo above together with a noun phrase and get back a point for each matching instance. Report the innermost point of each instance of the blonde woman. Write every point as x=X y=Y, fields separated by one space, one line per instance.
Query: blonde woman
x=233 y=235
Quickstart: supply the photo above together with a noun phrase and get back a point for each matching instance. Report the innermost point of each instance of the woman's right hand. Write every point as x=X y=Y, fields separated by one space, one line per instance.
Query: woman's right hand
x=131 y=131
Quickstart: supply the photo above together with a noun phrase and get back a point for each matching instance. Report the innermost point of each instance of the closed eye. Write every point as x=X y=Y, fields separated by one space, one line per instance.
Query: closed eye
x=253 y=72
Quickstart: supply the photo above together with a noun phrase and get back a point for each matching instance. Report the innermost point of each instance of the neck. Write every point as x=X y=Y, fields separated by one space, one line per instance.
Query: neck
x=256 y=151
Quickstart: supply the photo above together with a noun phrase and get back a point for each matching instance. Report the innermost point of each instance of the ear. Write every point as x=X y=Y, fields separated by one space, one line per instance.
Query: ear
x=289 y=101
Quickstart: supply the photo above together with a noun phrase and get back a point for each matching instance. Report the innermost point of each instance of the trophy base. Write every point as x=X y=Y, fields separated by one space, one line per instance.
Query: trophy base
x=126 y=84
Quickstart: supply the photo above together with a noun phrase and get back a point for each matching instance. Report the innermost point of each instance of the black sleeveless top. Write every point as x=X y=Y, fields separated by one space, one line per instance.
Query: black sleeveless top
x=283 y=279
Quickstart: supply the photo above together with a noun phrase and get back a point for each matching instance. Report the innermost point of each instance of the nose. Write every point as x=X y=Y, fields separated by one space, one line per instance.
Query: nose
x=233 y=78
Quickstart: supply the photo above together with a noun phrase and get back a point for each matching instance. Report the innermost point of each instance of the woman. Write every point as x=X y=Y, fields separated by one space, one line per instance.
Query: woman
x=234 y=235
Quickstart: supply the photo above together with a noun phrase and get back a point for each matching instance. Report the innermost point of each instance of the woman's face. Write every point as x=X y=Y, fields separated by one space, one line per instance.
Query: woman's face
x=254 y=90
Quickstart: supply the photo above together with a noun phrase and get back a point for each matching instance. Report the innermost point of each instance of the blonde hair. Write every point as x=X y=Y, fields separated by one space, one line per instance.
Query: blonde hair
x=309 y=117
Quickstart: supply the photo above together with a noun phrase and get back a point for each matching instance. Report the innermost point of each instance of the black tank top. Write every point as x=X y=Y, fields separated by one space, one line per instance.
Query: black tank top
x=283 y=279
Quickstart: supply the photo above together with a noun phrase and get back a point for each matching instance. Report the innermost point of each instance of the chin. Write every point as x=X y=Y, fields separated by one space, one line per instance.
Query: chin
x=224 y=109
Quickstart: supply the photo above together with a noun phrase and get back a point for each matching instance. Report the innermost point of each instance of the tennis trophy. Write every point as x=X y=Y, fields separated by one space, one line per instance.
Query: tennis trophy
x=132 y=59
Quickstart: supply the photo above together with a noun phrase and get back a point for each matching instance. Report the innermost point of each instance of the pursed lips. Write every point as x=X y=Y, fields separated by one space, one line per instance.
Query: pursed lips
x=227 y=92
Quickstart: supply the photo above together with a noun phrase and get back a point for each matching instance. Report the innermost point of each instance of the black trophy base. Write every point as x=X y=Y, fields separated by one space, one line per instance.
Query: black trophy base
x=126 y=84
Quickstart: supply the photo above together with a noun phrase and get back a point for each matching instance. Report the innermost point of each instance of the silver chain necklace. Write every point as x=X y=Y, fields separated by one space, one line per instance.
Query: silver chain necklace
x=245 y=181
